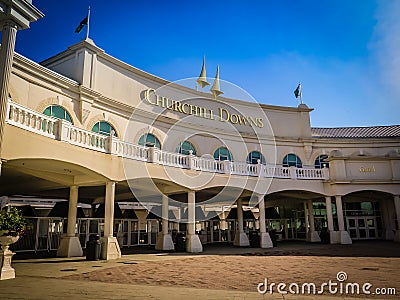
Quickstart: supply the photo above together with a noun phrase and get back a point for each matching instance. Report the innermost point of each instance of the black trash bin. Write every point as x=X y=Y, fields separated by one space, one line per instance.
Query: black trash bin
x=325 y=236
x=93 y=247
x=180 y=242
x=254 y=239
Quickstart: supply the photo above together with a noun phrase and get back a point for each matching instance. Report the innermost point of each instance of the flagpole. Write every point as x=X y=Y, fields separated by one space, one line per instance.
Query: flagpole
x=88 y=21
x=301 y=96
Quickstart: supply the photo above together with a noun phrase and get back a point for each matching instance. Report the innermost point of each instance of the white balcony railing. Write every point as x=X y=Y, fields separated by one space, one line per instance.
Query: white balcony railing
x=62 y=130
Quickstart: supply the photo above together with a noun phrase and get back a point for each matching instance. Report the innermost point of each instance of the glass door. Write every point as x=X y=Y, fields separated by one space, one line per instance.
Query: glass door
x=362 y=228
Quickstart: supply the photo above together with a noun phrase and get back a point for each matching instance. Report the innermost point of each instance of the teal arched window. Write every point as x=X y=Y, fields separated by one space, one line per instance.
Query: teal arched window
x=149 y=140
x=185 y=147
x=104 y=128
x=254 y=157
x=292 y=160
x=320 y=162
x=223 y=153
x=58 y=112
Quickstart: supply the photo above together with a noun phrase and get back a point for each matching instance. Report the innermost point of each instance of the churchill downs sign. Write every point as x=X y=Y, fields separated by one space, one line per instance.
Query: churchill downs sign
x=222 y=114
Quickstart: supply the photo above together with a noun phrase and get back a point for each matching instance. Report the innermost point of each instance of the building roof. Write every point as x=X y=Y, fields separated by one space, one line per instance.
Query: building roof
x=392 y=131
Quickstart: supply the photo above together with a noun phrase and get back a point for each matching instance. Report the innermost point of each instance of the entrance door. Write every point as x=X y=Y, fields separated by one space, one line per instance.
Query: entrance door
x=362 y=228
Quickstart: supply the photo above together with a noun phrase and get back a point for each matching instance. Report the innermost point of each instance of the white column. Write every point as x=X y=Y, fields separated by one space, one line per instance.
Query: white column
x=165 y=214
x=313 y=235
x=261 y=208
x=72 y=210
x=191 y=212
x=164 y=239
x=9 y=33
x=70 y=244
x=339 y=211
x=307 y=224
x=240 y=215
x=265 y=239
x=193 y=243
x=344 y=236
x=396 y=199
x=109 y=244
x=328 y=204
x=109 y=209
x=241 y=239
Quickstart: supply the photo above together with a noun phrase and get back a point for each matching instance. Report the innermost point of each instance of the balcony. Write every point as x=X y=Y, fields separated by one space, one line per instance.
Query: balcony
x=61 y=130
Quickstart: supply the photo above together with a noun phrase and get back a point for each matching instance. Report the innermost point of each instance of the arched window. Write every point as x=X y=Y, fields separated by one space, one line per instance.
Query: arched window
x=58 y=112
x=104 y=128
x=185 y=147
x=149 y=140
x=292 y=160
x=254 y=157
x=320 y=162
x=223 y=153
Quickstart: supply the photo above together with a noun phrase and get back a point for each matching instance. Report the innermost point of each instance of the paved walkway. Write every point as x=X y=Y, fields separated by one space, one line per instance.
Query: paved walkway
x=44 y=278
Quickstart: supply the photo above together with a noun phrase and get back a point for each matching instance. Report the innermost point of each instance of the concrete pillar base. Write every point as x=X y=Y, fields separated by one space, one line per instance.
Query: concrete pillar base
x=6 y=271
x=397 y=236
x=241 y=239
x=340 y=237
x=110 y=248
x=334 y=237
x=265 y=240
x=313 y=237
x=70 y=246
x=164 y=242
x=345 y=238
x=193 y=244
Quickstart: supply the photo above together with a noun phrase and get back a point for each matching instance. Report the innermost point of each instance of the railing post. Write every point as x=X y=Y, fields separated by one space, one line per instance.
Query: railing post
x=153 y=155
x=62 y=130
x=227 y=166
x=191 y=163
x=325 y=173
x=293 y=174
x=260 y=168
x=112 y=147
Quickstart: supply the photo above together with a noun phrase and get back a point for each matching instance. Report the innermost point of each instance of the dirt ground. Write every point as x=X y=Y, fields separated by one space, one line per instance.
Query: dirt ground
x=378 y=264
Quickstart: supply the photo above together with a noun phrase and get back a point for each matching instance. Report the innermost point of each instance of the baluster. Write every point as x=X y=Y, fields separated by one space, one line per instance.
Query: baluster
x=11 y=112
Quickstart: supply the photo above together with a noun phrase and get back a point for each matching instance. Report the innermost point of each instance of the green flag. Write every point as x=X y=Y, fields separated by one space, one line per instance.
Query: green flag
x=81 y=25
x=297 y=91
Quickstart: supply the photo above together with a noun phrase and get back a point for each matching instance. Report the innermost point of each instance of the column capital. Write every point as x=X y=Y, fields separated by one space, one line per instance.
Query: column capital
x=8 y=23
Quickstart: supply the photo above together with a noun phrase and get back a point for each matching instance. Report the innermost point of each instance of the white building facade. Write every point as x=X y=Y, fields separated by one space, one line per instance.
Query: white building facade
x=87 y=127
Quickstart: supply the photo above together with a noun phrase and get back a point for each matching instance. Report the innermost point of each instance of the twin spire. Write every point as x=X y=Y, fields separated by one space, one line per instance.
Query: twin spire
x=202 y=80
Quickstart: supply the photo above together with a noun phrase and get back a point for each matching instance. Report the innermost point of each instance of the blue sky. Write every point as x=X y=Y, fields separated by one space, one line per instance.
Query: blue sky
x=345 y=53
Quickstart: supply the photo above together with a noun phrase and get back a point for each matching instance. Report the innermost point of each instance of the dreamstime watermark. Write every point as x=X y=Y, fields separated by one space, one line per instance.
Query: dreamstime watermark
x=333 y=287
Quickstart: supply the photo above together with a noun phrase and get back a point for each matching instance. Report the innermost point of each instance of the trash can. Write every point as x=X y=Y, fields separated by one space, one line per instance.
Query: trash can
x=254 y=239
x=93 y=247
x=180 y=242
x=325 y=236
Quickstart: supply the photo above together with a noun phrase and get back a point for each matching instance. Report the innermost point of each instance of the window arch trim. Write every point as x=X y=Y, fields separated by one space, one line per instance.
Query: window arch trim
x=180 y=149
x=292 y=159
x=55 y=110
x=254 y=156
x=97 y=128
x=217 y=154
x=143 y=140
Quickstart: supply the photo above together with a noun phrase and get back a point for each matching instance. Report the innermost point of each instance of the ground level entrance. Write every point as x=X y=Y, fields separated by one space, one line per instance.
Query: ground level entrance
x=362 y=228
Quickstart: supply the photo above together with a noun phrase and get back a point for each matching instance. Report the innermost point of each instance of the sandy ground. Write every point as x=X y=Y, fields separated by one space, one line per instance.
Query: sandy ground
x=220 y=272
x=243 y=272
